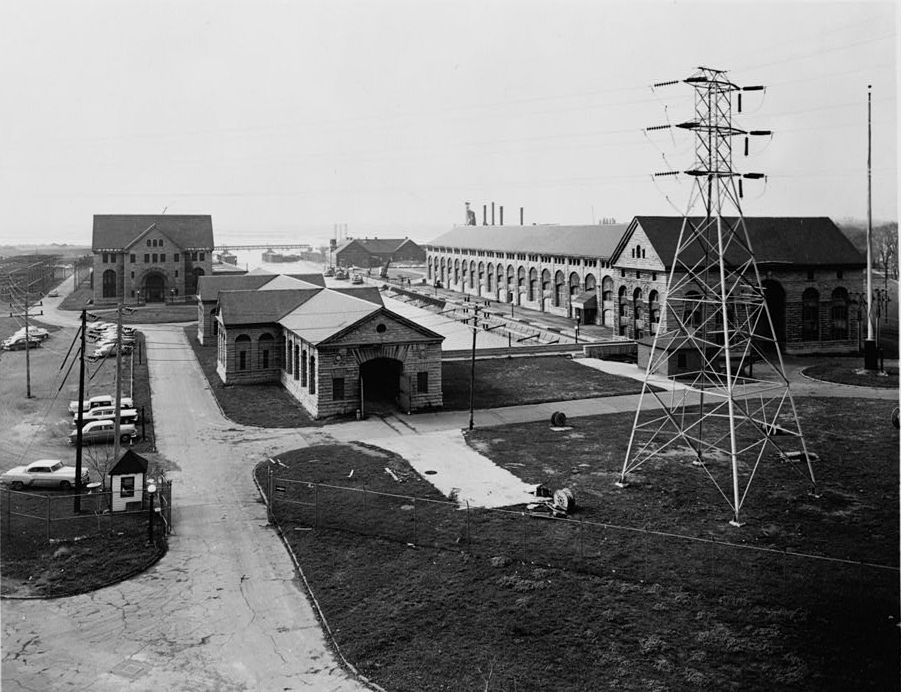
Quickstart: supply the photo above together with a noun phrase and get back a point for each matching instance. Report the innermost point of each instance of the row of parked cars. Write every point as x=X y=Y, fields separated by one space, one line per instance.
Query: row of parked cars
x=99 y=420
x=105 y=337
x=19 y=340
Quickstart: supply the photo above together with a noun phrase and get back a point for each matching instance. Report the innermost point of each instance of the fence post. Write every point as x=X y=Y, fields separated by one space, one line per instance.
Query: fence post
x=47 y=498
x=414 y=521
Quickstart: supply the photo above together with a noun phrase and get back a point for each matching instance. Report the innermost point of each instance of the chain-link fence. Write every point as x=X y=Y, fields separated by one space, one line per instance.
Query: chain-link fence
x=571 y=543
x=51 y=516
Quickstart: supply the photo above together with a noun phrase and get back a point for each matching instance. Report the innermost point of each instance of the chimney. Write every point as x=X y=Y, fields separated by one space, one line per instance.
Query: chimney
x=520 y=217
x=492 y=213
x=484 y=214
x=502 y=215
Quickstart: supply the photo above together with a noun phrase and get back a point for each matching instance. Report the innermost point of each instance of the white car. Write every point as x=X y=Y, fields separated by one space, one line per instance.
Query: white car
x=33 y=332
x=47 y=473
x=103 y=431
x=126 y=415
x=100 y=400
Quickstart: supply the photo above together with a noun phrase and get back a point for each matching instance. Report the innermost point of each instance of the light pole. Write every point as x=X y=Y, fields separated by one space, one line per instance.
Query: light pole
x=472 y=372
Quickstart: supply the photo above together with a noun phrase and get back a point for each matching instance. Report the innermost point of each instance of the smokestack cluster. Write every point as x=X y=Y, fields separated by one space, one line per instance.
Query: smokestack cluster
x=470 y=215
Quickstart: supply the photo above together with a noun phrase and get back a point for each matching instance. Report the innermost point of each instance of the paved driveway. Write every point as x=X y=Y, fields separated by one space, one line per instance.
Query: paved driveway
x=221 y=611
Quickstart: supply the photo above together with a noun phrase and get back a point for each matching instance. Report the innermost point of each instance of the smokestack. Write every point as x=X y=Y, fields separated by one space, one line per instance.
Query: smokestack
x=520 y=217
x=502 y=215
x=484 y=214
x=492 y=213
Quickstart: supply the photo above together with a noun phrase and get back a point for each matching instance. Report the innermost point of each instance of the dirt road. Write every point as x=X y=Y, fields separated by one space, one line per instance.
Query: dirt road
x=222 y=610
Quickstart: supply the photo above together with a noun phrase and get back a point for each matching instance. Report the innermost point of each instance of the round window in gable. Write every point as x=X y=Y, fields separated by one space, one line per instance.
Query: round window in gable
x=381 y=329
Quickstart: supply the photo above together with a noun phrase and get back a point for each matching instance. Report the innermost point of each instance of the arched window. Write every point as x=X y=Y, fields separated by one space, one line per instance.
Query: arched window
x=607 y=288
x=242 y=351
x=109 y=283
x=533 y=283
x=266 y=342
x=810 y=315
x=559 y=289
x=289 y=356
x=489 y=276
x=312 y=374
x=654 y=310
x=839 y=314
x=622 y=301
x=303 y=368
x=545 y=283
x=296 y=361
x=590 y=282
x=472 y=274
x=692 y=312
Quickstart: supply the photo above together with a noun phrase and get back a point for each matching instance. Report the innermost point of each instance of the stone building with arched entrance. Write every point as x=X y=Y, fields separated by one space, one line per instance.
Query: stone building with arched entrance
x=150 y=258
x=336 y=351
x=810 y=274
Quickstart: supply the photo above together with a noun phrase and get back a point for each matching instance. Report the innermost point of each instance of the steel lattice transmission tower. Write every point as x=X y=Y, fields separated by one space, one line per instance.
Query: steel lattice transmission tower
x=732 y=410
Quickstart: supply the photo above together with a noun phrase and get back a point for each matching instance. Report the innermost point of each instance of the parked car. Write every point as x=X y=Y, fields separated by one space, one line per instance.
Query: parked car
x=341 y=274
x=100 y=400
x=357 y=279
x=103 y=431
x=330 y=271
x=34 y=332
x=53 y=294
x=20 y=343
x=46 y=473
x=126 y=415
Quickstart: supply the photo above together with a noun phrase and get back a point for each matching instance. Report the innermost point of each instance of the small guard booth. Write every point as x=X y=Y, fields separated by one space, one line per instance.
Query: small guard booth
x=127 y=482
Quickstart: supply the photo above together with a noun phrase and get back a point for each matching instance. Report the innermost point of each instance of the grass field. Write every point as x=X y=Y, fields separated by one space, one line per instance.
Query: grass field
x=511 y=602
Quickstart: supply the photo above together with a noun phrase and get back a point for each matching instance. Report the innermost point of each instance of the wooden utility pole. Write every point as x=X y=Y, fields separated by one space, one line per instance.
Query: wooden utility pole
x=79 y=419
x=25 y=314
x=869 y=346
x=117 y=411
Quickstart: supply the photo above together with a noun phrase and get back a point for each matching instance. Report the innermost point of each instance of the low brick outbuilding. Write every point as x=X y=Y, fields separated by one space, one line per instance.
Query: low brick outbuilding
x=336 y=351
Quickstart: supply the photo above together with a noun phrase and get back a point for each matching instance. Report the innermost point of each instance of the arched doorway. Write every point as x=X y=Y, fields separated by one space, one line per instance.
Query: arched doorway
x=109 y=284
x=380 y=384
x=775 y=303
x=154 y=288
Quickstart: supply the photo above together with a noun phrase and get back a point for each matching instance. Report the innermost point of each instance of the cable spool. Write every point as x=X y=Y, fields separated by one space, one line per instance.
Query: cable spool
x=564 y=500
x=558 y=419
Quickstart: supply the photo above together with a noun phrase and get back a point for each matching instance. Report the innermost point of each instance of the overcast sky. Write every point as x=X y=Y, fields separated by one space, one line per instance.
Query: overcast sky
x=288 y=117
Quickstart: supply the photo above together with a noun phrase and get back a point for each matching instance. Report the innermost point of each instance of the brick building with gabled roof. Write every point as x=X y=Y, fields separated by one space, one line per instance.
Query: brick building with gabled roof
x=149 y=257
x=615 y=275
x=335 y=350
x=209 y=288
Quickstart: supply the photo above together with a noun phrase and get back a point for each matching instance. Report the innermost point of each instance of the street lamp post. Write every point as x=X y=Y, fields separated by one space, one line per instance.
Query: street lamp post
x=151 y=491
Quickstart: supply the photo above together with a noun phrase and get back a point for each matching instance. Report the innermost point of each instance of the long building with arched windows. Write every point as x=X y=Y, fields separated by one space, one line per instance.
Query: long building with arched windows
x=616 y=275
x=150 y=258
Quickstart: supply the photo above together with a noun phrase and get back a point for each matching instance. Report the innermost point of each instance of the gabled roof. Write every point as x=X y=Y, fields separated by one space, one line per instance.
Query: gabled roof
x=377 y=246
x=208 y=287
x=573 y=241
x=368 y=293
x=326 y=314
x=261 y=306
x=806 y=241
x=119 y=231
x=315 y=279
x=129 y=463
x=283 y=282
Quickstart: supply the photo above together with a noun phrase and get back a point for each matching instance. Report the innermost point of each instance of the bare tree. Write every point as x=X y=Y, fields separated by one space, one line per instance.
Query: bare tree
x=885 y=249
x=99 y=460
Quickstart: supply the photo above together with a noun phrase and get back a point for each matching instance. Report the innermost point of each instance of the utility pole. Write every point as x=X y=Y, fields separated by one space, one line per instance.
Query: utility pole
x=117 y=411
x=869 y=346
x=25 y=314
x=717 y=321
x=79 y=419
